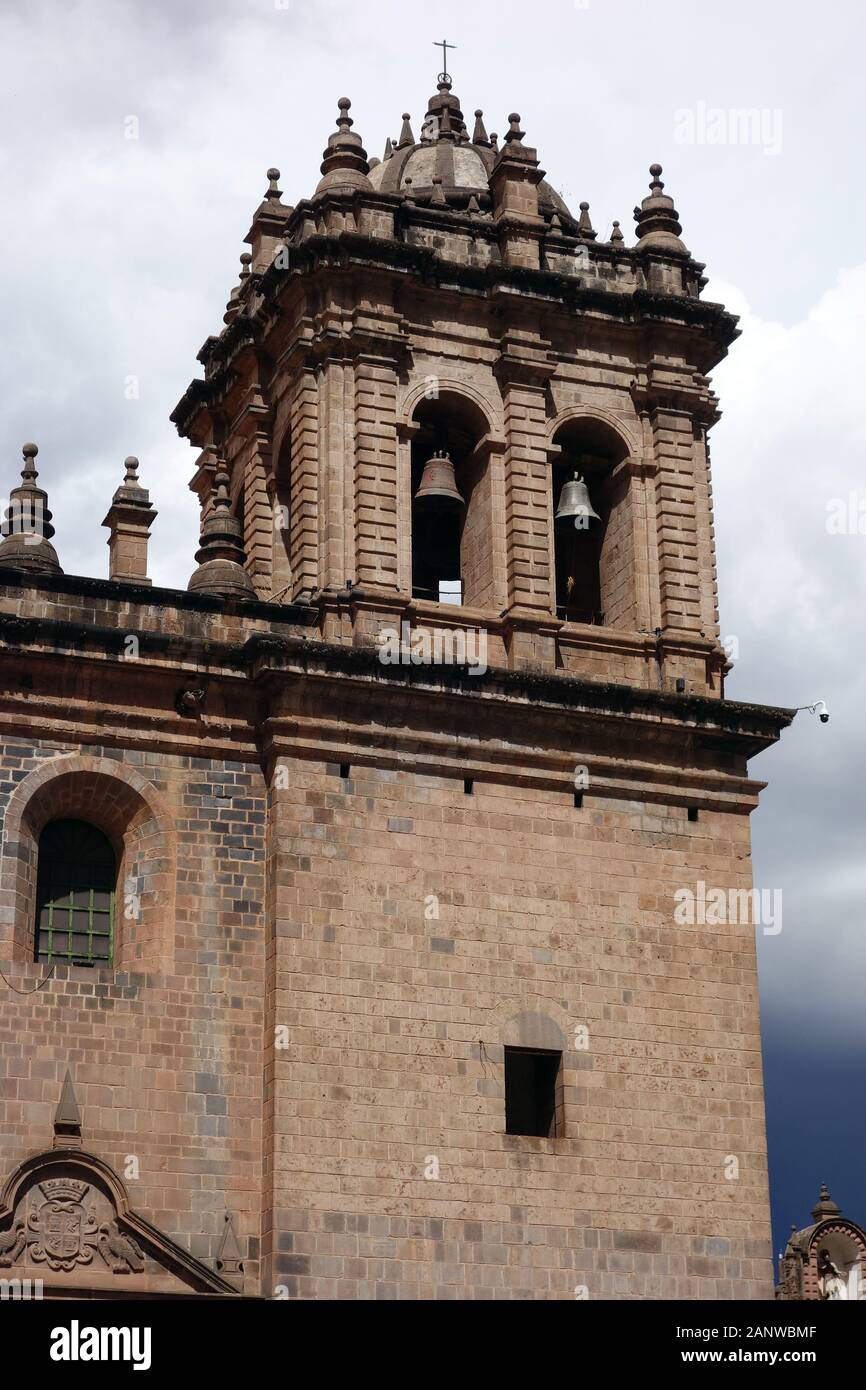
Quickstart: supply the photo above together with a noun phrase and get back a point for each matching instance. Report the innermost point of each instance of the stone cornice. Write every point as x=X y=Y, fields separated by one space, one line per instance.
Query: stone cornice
x=350 y=252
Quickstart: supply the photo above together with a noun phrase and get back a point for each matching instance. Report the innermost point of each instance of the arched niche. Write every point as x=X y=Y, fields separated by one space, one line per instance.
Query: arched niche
x=594 y=564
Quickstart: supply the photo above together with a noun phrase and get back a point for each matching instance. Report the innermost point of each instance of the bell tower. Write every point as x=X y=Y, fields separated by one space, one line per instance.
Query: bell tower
x=441 y=312
x=442 y=403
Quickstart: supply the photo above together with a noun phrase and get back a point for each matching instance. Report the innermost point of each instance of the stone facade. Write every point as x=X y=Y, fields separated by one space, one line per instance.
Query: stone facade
x=346 y=887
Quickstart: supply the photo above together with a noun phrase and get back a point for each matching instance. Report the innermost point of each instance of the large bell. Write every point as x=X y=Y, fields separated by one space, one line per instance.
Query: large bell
x=574 y=504
x=438 y=484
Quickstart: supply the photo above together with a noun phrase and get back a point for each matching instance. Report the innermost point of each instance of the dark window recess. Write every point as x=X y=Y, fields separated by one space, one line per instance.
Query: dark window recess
x=345 y=771
x=693 y=813
x=468 y=786
x=578 y=800
x=531 y=1084
x=75 y=894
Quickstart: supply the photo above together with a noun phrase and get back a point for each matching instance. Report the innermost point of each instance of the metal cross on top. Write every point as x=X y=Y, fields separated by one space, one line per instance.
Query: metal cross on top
x=444 y=75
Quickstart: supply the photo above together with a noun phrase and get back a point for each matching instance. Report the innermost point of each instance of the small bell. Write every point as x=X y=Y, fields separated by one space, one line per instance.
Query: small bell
x=574 y=503
x=438 y=483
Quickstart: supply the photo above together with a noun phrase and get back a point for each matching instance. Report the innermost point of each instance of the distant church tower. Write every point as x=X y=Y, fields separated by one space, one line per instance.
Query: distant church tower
x=415 y=800
x=826 y=1260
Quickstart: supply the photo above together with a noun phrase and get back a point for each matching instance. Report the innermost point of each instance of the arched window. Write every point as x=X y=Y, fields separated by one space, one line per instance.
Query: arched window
x=592 y=554
x=75 y=894
x=452 y=550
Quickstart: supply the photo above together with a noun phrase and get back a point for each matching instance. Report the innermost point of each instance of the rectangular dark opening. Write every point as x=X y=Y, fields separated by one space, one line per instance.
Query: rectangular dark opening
x=578 y=800
x=468 y=786
x=345 y=770
x=531 y=1085
x=693 y=813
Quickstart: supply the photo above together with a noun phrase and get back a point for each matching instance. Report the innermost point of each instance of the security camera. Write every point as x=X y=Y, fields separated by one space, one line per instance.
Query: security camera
x=818 y=707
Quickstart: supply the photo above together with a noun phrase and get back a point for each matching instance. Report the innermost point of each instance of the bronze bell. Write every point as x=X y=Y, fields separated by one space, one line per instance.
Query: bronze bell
x=438 y=483
x=574 y=503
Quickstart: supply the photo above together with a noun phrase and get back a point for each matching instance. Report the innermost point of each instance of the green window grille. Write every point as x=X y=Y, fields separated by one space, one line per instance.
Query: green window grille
x=75 y=894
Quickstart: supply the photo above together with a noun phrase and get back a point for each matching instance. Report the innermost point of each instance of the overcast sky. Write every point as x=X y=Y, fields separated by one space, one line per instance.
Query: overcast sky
x=119 y=254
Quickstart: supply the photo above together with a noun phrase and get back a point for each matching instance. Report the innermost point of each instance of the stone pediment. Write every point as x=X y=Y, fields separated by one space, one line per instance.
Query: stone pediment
x=65 y=1219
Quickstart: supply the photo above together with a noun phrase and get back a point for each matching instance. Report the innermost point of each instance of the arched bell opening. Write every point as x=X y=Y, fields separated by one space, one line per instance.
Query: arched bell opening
x=452 y=550
x=280 y=496
x=591 y=540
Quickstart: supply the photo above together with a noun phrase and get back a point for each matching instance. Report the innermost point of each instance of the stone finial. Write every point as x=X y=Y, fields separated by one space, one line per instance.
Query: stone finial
x=27 y=528
x=473 y=206
x=129 y=519
x=220 y=556
x=389 y=149
x=616 y=235
x=344 y=162
x=407 y=191
x=584 y=225
x=233 y=305
x=494 y=142
x=268 y=225
x=514 y=133
x=657 y=218
x=406 y=136
x=479 y=134
x=67 y=1117
x=438 y=198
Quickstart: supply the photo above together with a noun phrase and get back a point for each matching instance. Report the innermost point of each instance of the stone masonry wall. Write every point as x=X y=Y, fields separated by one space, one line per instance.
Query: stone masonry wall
x=418 y=930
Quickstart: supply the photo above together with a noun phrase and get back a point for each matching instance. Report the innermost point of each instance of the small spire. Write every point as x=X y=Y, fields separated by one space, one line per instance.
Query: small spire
x=406 y=136
x=344 y=162
x=616 y=235
x=825 y=1207
x=220 y=555
x=27 y=528
x=438 y=196
x=67 y=1118
x=479 y=134
x=246 y=261
x=584 y=225
x=494 y=141
x=407 y=185
x=129 y=520
x=514 y=132
x=473 y=204
x=657 y=218
x=389 y=149
x=556 y=223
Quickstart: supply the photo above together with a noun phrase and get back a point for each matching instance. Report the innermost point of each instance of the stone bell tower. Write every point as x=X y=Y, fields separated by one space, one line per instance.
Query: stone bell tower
x=442 y=403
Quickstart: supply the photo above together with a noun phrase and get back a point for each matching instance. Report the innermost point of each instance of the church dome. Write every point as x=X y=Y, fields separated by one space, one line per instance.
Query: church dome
x=446 y=164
